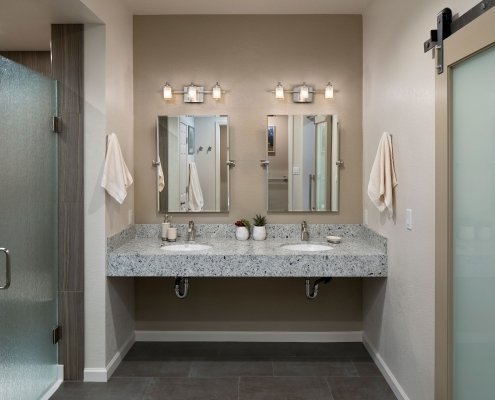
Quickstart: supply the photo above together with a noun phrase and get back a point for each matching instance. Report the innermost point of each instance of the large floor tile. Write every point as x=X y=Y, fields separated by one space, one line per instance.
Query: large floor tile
x=367 y=368
x=170 y=351
x=283 y=388
x=115 y=389
x=192 y=389
x=314 y=368
x=374 y=388
x=153 y=369
x=231 y=368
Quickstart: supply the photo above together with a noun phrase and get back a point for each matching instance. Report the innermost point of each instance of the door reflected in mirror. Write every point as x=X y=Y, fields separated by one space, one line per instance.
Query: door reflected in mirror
x=193 y=175
x=304 y=163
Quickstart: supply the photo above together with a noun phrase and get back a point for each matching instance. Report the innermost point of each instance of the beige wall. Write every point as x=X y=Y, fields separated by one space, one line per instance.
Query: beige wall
x=248 y=304
x=109 y=304
x=399 y=97
x=248 y=55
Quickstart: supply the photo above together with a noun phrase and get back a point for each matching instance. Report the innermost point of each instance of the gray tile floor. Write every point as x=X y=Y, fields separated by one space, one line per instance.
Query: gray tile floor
x=239 y=371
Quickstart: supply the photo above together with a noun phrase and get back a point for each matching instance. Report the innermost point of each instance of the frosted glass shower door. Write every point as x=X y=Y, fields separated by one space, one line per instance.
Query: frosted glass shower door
x=473 y=218
x=28 y=229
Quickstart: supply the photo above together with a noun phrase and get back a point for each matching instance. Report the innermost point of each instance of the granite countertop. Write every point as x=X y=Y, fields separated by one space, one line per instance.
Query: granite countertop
x=138 y=252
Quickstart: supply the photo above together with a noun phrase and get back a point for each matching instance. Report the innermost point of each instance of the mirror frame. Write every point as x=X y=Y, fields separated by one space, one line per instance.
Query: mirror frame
x=337 y=165
x=157 y=157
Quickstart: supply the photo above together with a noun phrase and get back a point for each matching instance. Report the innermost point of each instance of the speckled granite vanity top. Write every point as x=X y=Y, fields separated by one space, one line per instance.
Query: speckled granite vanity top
x=137 y=252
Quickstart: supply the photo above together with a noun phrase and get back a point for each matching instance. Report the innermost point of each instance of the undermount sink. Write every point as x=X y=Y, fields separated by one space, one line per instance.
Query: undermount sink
x=186 y=247
x=307 y=247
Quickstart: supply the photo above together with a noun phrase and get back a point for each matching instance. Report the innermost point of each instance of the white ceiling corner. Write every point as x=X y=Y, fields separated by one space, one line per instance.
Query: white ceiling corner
x=163 y=7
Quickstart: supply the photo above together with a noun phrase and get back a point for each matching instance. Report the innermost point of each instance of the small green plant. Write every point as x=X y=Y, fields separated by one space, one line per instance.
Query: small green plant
x=243 y=222
x=259 y=220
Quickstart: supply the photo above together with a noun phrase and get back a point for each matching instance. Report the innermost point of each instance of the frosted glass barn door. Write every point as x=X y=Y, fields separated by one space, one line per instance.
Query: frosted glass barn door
x=28 y=230
x=473 y=223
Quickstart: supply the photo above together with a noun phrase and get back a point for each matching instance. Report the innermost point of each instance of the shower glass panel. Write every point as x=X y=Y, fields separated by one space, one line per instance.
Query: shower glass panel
x=28 y=229
x=473 y=258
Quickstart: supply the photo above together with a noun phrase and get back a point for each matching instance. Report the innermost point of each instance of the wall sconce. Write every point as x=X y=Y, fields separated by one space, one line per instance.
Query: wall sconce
x=193 y=93
x=303 y=93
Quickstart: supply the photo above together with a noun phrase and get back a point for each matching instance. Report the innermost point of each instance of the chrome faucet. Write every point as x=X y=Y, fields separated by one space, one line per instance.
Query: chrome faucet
x=304 y=231
x=191 y=232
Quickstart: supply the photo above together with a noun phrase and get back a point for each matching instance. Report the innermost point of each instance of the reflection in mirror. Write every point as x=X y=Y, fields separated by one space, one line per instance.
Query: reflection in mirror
x=193 y=153
x=303 y=170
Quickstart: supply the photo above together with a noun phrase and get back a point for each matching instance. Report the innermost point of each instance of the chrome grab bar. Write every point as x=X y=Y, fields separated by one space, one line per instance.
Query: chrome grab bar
x=7 y=269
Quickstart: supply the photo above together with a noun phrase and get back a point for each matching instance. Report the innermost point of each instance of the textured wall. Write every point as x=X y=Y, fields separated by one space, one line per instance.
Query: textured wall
x=399 y=95
x=248 y=55
x=109 y=317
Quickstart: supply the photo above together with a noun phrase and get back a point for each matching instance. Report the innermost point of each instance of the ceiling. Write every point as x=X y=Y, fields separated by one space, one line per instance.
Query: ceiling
x=158 y=7
x=25 y=24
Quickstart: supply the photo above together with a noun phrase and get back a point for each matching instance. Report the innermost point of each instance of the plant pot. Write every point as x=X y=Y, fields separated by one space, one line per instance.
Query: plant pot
x=241 y=233
x=259 y=232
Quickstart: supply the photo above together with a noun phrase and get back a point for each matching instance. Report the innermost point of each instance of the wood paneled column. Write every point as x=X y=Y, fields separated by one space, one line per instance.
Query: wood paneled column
x=67 y=69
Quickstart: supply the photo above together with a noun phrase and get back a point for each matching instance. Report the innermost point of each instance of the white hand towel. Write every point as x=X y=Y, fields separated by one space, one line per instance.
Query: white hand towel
x=116 y=176
x=161 y=177
x=196 y=201
x=382 y=178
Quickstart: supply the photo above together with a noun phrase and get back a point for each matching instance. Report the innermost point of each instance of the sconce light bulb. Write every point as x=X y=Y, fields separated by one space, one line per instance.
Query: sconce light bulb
x=304 y=92
x=279 y=91
x=167 y=91
x=217 y=92
x=329 y=91
x=192 y=92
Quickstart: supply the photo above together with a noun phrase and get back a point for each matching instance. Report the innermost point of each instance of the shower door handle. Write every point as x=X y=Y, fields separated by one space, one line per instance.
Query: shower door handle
x=7 y=269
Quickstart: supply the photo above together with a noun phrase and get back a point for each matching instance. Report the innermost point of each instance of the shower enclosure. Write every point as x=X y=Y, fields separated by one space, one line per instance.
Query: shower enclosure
x=28 y=232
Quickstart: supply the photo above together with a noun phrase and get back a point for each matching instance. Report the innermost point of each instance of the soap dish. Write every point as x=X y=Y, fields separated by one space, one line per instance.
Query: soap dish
x=334 y=239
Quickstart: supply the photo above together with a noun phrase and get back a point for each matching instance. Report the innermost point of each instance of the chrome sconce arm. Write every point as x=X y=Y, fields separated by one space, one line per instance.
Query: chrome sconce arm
x=193 y=93
x=303 y=93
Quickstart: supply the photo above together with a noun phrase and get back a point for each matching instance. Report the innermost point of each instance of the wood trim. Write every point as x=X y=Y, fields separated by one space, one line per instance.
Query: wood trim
x=465 y=43
x=67 y=69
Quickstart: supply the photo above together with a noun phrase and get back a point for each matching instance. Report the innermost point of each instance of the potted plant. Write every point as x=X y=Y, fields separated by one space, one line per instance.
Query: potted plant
x=259 y=230
x=242 y=229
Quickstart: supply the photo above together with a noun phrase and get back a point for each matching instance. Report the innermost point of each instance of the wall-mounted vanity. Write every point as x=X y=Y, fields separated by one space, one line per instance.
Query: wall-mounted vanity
x=139 y=252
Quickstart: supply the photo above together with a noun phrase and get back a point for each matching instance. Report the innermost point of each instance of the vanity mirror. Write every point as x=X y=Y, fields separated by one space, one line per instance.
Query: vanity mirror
x=193 y=151
x=303 y=163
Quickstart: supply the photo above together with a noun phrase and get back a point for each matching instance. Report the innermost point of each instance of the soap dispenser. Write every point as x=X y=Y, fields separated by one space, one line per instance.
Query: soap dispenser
x=165 y=226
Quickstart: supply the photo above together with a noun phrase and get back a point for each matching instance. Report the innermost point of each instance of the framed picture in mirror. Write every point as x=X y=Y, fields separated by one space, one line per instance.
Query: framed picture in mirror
x=271 y=139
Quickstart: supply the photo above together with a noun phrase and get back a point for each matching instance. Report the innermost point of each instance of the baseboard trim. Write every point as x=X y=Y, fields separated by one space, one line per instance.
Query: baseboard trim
x=247 y=336
x=104 y=374
x=398 y=390
x=60 y=378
